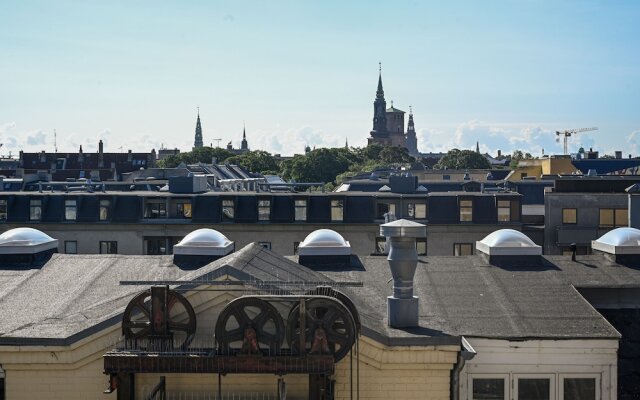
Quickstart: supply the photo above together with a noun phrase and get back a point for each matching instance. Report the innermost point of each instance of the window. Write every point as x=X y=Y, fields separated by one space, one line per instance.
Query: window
x=380 y=245
x=337 y=210
x=3 y=210
x=462 y=249
x=35 y=210
x=295 y=247
x=534 y=388
x=421 y=246
x=504 y=210
x=266 y=245
x=613 y=217
x=416 y=211
x=160 y=245
x=488 y=389
x=264 y=210
x=579 y=388
x=228 y=210
x=105 y=210
x=155 y=209
x=384 y=208
x=301 y=210
x=70 y=210
x=466 y=210
x=70 y=247
x=569 y=216
x=108 y=247
x=183 y=210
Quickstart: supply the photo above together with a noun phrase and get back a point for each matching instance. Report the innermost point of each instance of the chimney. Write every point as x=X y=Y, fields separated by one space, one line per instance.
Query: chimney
x=100 y=148
x=402 y=307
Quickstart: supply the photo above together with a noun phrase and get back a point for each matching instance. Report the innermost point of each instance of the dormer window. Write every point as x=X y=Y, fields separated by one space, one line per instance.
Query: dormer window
x=466 y=210
x=70 y=210
x=35 y=210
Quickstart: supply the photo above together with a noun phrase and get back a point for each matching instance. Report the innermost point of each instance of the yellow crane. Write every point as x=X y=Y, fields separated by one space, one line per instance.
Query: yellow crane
x=567 y=133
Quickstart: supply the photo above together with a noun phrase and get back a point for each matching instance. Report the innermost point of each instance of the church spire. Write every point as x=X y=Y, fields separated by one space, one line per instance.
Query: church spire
x=244 y=145
x=379 y=110
x=198 y=139
x=380 y=91
x=477 y=147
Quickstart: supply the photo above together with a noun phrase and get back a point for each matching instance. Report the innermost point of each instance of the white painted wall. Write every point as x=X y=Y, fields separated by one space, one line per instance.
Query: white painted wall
x=556 y=359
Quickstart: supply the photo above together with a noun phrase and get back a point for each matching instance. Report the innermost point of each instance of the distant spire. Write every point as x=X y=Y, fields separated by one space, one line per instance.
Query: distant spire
x=346 y=143
x=198 y=139
x=477 y=147
x=244 y=145
x=380 y=91
x=391 y=103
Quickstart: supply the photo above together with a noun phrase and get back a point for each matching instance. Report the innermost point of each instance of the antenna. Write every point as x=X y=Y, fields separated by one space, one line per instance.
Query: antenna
x=55 y=141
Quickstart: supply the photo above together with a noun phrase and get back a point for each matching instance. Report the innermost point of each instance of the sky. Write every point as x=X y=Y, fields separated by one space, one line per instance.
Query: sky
x=506 y=74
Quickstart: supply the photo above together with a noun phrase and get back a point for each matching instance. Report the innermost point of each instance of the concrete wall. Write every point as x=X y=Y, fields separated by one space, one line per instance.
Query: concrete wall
x=588 y=216
x=130 y=237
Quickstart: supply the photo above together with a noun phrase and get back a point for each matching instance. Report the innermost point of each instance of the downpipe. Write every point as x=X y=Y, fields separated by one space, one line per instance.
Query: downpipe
x=466 y=354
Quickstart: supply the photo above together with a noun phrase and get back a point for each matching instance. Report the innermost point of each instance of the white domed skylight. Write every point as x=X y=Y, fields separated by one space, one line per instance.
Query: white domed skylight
x=508 y=242
x=619 y=241
x=26 y=241
x=204 y=241
x=324 y=242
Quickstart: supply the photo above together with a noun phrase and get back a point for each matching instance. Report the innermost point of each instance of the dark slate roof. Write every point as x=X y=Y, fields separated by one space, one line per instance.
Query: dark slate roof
x=467 y=296
x=394 y=110
x=73 y=296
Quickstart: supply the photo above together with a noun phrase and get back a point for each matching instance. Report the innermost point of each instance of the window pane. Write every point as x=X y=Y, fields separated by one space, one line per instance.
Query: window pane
x=421 y=246
x=104 y=209
x=621 y=217
x=488 y=389
x=228 y=211
x=534 y=389
x=3 y=210
x=421 y=211
x=504 y=214
x=411 y=210
x=35 y=211
x=264 y=210
x=606 y=217
x=465 y=203
x=381 y=210
x=569 y=216
x=381 y=242
x=504 y=203
x=466 y=214
x=186 y=210
x=579 y=389
x=70 y=210
x=336 y=210
x=301 y=210
x=71 y=247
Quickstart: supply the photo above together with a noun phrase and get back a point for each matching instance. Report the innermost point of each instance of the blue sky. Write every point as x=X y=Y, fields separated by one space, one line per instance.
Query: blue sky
x=504 y=73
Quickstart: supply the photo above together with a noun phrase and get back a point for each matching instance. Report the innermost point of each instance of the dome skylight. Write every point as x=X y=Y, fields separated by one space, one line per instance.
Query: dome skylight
x=26 y=241
x=324 y=242
x=204 y=242
x=619 y=241
x=508 y=242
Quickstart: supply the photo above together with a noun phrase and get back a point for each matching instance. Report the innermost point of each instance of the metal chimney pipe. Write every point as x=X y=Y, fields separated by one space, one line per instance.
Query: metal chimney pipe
x=402 y=307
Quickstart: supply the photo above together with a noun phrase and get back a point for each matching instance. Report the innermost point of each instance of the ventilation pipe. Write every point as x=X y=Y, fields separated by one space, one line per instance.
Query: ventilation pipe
x=402 y=307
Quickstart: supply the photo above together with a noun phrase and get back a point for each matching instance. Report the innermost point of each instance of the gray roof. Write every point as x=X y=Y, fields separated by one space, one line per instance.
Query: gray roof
x=72 y=296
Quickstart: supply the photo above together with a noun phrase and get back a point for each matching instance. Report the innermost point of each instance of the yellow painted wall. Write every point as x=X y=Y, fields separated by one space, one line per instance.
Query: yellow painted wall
x=75 y=372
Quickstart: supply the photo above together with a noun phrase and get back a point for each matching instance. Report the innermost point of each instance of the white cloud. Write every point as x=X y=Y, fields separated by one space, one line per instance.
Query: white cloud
x=293 y=140
x=36 y=138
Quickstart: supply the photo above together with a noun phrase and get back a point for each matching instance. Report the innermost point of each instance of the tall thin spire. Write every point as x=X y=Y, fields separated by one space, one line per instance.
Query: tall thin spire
x=380 y=91
x=379 y=110
x=411 y=138
x=346 y=143
x=198 y=139
x=477 y=147
x=244 y=145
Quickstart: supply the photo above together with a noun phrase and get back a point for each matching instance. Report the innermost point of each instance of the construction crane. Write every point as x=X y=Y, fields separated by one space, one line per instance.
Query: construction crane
x=568 y=134
x=218 y=142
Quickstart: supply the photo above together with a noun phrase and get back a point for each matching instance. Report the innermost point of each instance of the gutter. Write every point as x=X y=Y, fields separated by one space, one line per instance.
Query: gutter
x=466 y=354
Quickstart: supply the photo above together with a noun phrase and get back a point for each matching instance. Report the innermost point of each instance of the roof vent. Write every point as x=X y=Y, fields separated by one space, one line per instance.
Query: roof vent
x=26 y=241
x=421 y=188
x=324 y=247
x=202 y=244
x=619 y=241
x=384 y=188
x=592 y=172
x=508 y=242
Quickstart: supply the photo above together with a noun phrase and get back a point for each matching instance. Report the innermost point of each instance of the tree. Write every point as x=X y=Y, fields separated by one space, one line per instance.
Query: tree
x=462 y=159
x=517 y=156
x=205 y=155
x=320 y=165
x=394 y=155
x=256 y=161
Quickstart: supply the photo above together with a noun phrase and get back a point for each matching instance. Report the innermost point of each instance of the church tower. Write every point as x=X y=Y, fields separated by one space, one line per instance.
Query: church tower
x=379 y=134
x=412 y=140
x=244 y=146
x=198 y=140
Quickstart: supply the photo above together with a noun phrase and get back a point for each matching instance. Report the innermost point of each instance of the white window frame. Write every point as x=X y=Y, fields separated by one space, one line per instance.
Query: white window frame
x=552 y=383
x=561 y=378
x=506 y=378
